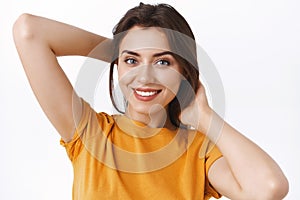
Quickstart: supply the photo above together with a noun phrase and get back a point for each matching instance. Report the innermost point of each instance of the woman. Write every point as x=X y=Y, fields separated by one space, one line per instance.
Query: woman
x=150 y=152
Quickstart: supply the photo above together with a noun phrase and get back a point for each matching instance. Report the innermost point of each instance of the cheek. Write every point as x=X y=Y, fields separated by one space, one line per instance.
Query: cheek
x=126 y=78
x=120 y=71
x=171 y=80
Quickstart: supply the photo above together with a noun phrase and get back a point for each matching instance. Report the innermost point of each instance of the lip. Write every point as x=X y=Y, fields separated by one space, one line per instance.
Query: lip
x=138 y=93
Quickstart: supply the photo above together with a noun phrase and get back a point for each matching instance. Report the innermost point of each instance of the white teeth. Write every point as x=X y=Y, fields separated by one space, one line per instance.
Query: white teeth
x=146 y=94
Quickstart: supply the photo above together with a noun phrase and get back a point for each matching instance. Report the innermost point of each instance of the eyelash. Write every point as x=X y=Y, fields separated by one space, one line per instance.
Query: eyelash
x=162 y=61
x=132 y=59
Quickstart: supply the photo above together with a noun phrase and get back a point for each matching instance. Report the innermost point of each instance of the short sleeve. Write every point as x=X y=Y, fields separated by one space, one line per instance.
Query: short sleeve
x=75 y=146
x=212 y=155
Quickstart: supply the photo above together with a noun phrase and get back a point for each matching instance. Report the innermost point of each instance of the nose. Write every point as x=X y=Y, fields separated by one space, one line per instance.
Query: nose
x=146 y=74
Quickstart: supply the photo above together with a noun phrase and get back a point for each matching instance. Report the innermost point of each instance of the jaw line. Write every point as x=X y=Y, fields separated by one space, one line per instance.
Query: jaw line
x=156 y=117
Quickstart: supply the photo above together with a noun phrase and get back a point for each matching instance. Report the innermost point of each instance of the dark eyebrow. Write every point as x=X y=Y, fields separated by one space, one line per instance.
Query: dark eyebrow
x=131 y=53
x=155 y=55
x=164 y=53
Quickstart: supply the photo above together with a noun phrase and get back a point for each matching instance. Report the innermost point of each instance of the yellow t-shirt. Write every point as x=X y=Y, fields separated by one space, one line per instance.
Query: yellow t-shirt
x=116 y=158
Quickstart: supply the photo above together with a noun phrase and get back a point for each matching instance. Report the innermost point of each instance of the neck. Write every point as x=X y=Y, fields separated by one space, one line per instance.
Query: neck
x=156 y=119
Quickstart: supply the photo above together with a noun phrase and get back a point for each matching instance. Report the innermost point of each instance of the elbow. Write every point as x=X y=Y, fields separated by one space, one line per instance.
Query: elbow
x=277 y=189
x=23 y=28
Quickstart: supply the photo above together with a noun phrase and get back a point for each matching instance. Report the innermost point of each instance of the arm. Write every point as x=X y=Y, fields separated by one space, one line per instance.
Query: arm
x=39 y=41
x=245 y=171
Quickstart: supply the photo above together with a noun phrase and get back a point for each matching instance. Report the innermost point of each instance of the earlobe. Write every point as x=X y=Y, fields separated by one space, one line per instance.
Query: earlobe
x=116 y=62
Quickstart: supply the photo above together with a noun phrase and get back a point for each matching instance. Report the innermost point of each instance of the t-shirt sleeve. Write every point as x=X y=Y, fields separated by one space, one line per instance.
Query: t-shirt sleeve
x=212 y=154
x=90 y=123
x=74 y=146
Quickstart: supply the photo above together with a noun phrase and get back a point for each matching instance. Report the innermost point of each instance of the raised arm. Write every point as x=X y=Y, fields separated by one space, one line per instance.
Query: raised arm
x=245 y=171
x=39 y=41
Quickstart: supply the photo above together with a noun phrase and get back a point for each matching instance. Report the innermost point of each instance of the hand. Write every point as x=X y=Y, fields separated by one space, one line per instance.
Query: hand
x=198 y=113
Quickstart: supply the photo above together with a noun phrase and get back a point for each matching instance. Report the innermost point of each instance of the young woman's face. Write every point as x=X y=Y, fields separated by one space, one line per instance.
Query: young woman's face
x=149 y=75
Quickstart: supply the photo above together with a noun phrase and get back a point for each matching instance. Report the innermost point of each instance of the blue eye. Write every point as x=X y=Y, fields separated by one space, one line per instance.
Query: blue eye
x=163 y=62
x=130 y=61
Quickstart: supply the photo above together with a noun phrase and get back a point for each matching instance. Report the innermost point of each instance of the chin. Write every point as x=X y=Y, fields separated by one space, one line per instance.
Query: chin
x=146 y=109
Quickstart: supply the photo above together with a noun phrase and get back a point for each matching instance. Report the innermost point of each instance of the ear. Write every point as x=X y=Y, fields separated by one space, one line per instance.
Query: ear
x=116 y=62
x=184 y=75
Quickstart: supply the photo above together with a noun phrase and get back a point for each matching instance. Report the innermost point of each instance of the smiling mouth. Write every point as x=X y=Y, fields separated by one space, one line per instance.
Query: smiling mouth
x=146 y=94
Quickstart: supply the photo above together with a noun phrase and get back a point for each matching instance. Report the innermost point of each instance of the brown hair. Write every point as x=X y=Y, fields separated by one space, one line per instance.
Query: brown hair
x=182 y=43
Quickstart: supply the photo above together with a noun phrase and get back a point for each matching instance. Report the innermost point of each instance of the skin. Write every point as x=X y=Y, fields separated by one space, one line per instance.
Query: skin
x=244 y=172
x=149 y=67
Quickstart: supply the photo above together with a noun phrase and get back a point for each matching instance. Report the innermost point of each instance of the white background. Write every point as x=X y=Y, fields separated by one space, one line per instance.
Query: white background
x=253 y=44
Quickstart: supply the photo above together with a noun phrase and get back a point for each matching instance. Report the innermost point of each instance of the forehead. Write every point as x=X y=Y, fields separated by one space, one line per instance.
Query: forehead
x=144 y=38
